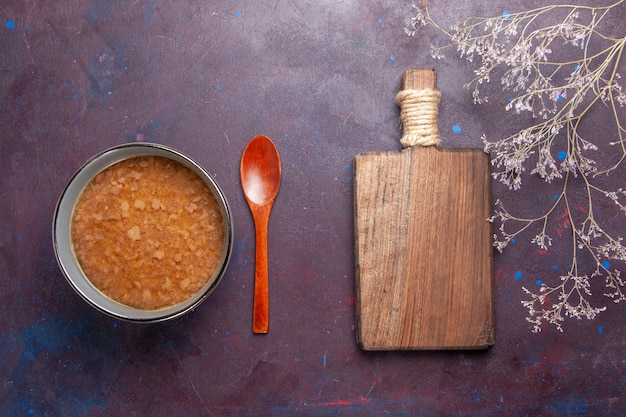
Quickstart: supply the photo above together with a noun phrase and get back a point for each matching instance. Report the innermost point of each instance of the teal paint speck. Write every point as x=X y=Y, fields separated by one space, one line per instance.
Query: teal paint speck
x=562 y=155
x=10 y=24
x=380 y=20
x=457 y=129
x=539 y=283
x=237 y=14
x=606 y=264
x=506 y=14
x=555 y=267
x=600 y=329
x=518 y=275
x=392 y=58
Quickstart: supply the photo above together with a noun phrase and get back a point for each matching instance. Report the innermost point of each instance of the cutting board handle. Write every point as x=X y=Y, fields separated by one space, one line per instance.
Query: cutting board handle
x=419 y=107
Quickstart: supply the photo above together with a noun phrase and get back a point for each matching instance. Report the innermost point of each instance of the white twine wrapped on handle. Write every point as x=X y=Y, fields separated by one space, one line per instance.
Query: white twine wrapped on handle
x=418 y=112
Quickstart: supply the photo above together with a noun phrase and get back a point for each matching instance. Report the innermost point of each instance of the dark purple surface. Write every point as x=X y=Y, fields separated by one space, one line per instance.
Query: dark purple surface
x=319 y=78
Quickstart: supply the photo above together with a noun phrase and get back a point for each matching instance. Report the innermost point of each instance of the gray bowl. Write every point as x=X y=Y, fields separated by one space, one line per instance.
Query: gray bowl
x=63 y=246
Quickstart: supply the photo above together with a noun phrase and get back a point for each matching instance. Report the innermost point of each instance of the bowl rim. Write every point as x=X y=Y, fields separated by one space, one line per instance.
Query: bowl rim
x=63 y=249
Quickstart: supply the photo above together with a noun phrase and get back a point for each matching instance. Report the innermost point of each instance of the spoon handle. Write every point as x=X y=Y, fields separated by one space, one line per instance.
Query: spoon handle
x=261 y=320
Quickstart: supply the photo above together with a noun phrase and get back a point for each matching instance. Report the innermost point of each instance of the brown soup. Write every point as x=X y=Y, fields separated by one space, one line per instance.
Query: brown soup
x=148 y=232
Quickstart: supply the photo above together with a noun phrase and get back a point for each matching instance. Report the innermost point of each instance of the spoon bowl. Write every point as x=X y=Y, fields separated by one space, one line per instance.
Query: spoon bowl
x=260 y=172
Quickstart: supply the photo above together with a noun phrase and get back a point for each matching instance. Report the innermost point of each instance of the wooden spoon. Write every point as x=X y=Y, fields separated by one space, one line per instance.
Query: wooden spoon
x=260 y=180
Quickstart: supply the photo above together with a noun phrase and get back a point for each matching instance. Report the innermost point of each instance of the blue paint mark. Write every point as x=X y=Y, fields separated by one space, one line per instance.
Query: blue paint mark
x=560 y=97
x=562 y=155
x=510 y=99
x=556 y=196
x=101 y=10
x=148 y=17
x=576 y=68
x=555 y=267
x=103 y=71
x=600 y=329
x=347 y=166
x=477 y=399
x=518 y=275
x=606 y=264
x=457 y=129
x=218 y=88
x=539 y=283
x=237 y=14
x=534 y=360
x=50 y=336
x=506 y=14
x=10 y=24
x=380 y=20
x=572 y=407
x=513 y=240
x=392 y=58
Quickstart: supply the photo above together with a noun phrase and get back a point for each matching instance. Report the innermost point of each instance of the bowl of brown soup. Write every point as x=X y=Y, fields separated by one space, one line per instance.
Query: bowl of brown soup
x=142 y=232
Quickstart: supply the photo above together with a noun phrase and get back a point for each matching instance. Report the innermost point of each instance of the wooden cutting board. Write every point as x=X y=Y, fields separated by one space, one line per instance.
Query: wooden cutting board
x=423 y=244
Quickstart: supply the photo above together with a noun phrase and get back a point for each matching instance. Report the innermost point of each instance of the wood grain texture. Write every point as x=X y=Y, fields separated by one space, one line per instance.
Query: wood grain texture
x=423 y=250
x=260 y=172
x=419 y=78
